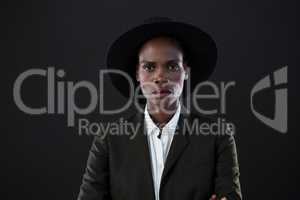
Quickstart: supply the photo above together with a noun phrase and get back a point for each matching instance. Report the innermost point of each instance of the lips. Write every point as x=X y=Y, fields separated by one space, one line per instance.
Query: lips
x=162 y=92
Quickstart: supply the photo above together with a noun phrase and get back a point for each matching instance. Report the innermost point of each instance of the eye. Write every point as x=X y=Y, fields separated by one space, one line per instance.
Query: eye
x=173 y=67
x=148 y=67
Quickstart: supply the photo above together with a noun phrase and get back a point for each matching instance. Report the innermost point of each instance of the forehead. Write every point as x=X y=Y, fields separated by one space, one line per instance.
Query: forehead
x=160 y=48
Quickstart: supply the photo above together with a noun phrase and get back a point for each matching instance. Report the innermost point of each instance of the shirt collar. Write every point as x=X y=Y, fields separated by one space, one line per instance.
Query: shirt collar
x=170 y=126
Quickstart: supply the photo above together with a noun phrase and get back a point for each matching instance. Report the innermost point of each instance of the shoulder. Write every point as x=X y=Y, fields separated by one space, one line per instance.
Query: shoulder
x=121 y=126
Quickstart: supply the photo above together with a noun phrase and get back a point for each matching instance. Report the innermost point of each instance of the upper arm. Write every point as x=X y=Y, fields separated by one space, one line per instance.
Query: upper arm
x=227 y=168
x=95 y=182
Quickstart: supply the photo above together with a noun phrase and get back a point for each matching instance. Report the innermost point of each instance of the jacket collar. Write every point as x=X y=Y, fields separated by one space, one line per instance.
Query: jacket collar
x=170 y=126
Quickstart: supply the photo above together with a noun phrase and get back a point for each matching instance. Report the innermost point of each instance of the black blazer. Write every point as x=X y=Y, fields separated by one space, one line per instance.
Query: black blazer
x=197 y=166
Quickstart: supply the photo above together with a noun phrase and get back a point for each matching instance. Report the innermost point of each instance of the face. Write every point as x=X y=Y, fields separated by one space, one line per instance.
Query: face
x=161 y=71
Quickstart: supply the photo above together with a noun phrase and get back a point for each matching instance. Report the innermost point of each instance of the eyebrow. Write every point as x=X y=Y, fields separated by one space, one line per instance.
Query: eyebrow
x=172 y=60
x=146 y=61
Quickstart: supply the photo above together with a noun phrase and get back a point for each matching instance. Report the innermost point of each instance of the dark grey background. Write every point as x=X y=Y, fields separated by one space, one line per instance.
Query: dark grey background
x=44 y=159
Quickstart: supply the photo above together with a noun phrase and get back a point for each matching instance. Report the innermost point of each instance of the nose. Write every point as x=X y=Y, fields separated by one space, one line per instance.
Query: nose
x=160 y=76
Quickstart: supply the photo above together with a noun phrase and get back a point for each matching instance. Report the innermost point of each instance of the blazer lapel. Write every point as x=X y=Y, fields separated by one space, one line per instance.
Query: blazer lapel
x=179 y=143
x=142 y=145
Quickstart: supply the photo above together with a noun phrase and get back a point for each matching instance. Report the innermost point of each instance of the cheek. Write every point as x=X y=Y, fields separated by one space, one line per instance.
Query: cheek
x=178 y=79
x=144 y=79
x=145 y=82
x=143 y=76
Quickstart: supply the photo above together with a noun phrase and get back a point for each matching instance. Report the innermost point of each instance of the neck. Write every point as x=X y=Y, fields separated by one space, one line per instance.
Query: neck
x=159 y=115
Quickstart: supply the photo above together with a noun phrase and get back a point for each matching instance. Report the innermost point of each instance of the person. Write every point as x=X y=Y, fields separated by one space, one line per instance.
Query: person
x=164 y=160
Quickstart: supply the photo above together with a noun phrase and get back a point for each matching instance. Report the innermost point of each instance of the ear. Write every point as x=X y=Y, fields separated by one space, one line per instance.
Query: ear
x=186 y=71
x=186 y=76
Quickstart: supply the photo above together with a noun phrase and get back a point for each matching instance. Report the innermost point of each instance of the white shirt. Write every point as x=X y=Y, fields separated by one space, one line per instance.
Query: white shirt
x=159 y=148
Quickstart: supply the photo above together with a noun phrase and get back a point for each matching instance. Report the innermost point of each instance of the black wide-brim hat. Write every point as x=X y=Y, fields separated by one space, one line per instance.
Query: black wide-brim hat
x=199 y=49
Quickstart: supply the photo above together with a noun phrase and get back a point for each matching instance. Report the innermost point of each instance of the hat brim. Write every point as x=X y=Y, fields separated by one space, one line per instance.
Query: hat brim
x=200 y=50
